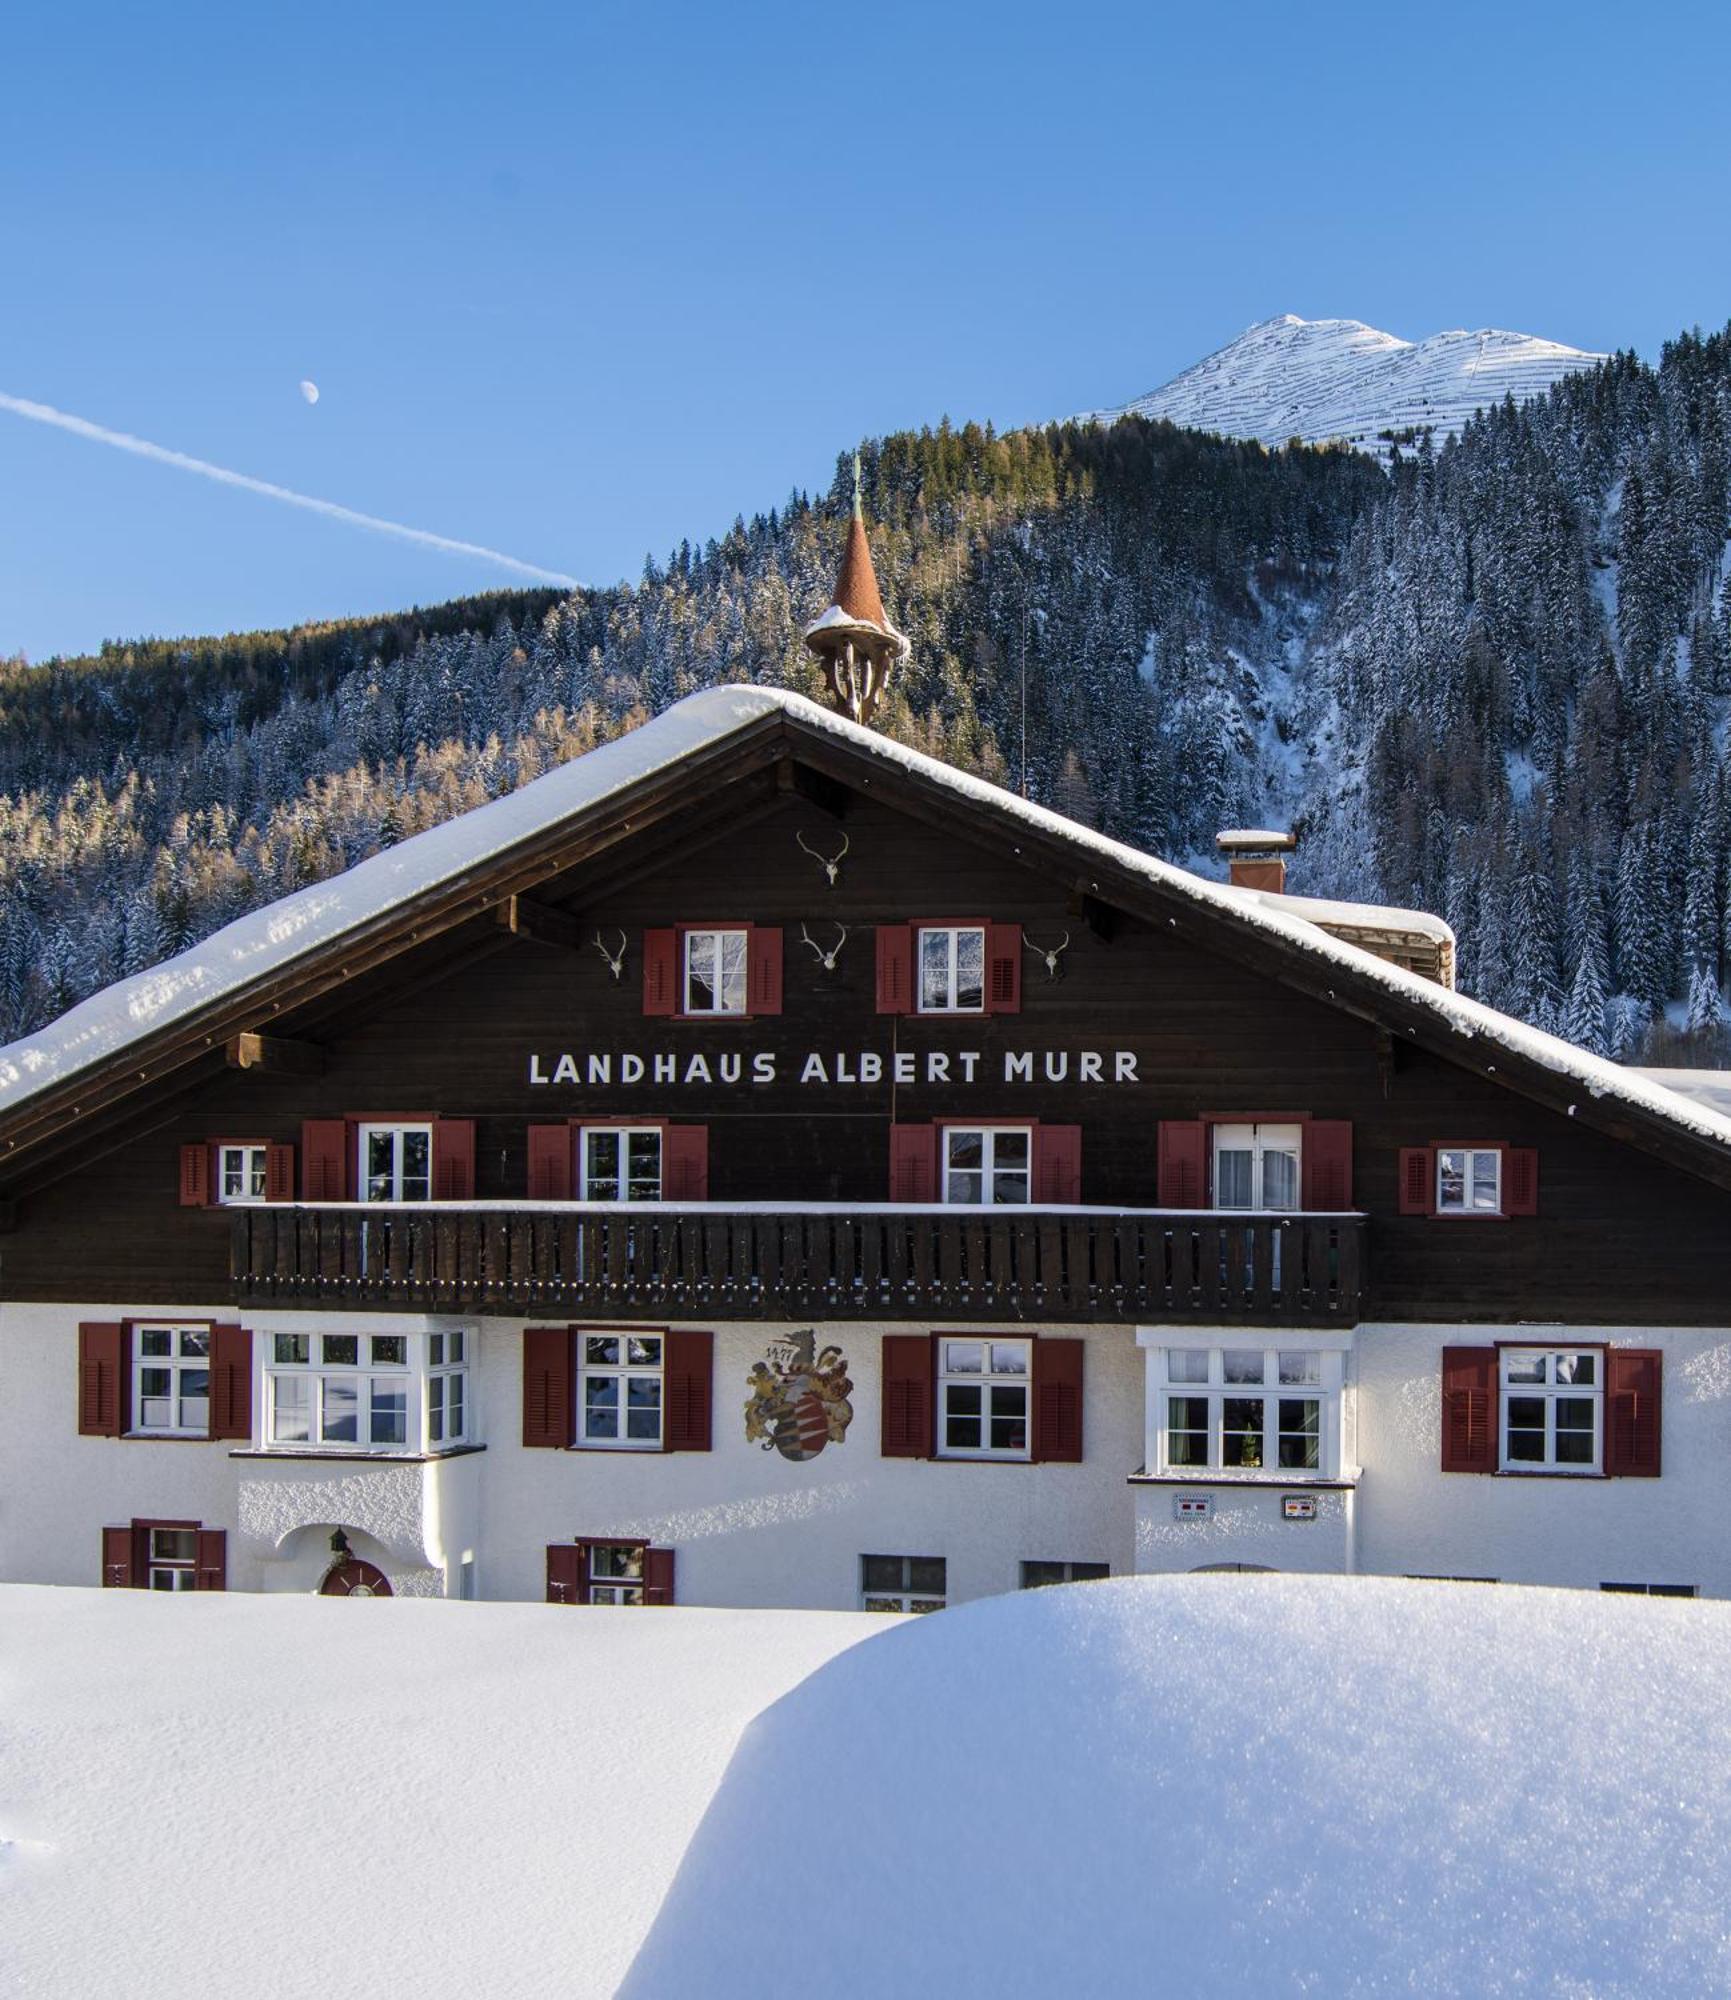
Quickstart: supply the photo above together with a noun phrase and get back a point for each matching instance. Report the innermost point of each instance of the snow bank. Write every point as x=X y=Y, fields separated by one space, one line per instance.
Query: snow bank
x=1225 y=1786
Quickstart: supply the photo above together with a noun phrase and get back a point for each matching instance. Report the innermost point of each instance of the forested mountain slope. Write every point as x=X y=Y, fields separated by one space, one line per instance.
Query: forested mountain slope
x=1492 y=681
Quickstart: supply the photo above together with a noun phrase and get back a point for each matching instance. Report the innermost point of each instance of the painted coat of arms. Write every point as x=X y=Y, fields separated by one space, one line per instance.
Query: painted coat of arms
x=799 y=1397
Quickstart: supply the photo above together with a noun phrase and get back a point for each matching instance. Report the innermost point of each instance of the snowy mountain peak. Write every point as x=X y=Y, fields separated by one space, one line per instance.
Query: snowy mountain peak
x=1322 y=379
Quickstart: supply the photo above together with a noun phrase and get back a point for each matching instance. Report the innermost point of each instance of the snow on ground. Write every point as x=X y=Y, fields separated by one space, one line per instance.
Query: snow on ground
x=1174 y=1788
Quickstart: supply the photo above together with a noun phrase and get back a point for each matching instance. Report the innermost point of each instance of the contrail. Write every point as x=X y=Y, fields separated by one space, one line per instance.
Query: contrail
x=42 y=413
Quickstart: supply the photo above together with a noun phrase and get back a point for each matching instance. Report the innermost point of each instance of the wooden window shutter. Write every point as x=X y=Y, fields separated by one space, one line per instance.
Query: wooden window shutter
x=1520 y=1180
x=685 y=1163
x=1469 y=1409
x=658 y=1576
x=195 y=1176
x=688 y=1390
x=279 y=1173
x=909 y=1395
x=1327 y=1148
x=549 y=1390
x=212 y=1573
x=102 y=1384
x=1057 y=1435
x=763 y=971
x=895 y=949
x=1633 y=1382
x=231 y=1383
x=454 y=1159
x=1417 y=1180
x=1058 y=1163
x=325 y=1159
x=1183 y=1163
x=567 y=1572
x=660 y=972
x=913 y=1163
x=550 y=1157
x=117 y=1566
x=1003 y=968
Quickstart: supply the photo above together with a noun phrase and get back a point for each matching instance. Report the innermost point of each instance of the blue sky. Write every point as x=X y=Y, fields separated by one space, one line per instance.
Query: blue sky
x=576 y=280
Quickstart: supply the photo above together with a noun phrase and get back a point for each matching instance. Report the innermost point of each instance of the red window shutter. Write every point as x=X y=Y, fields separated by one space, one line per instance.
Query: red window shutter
x=685 y=1163
x=1521 y=1180
x=1058 y=1163
x=325 y=1159
x=1183 y=1167
x=688 y=1366
x=1417 y=1180
x=212 y=1560
x=1058 y=1401
x=1328 y=1163
x=279 y=1173
x=117 y=1570
x=658 y=1576
x=1003 y=968
x=913 y=1163
x=566 y=1570
x=763 y=977
x=549 y=1392
x=102 y=1379
x=660 y=972
x=195 y=1175
x=550 y=1157
x=895 y=947
x=1469 y=1409
x=454 y=1159
x=909 y=1395
x=231 y=1382
x=1633 y=1383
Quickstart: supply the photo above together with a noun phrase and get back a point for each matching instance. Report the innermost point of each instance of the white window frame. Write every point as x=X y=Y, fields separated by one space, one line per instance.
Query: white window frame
x=950 y=1002
x=412 y=1375
x=251 y=1160
x=176 y=1364
x=622 y=1178
x=1284 y=1139
x=1467 y=1208
x=397 y=1130
x=714 y=937
x=988 y=1169
x=623 y=1372
x=447 y=1386
x=183 y=1570
x=903 y=1598
x=1168 y=1385
x=985 y=1380
x=627 y=1589
x=1551 y=1392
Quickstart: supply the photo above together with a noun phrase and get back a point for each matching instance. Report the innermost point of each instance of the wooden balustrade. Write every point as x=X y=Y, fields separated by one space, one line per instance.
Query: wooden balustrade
x=868 y=1263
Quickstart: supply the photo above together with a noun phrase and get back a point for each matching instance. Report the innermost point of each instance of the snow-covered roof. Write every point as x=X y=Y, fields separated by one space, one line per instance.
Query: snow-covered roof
x=1327 y=911
x=270 y=941
x=1711 y=1087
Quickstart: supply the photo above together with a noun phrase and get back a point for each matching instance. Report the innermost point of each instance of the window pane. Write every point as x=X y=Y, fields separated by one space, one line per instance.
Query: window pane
x=1010 y=1149
x=1485 y=1194
x=291 y=1347
x=455 y=1387
x=341 y=1410
x=435 y=1350
x=291 y=1406
x=1243 y=1364
x=173 y=1545
x=381 y=1165
x=1241 y=1432
x=926 y=1575
x=155 y=1340
x=1279 y=1180
x=1010 y=1185
x=194 y=1399
x=1009 y=1424
x=1009 y=1357
x=616 y=1560
x=601 y=1170
x=966 y=1148
x=1187 y=1364
x=390 y=1413
x=881 y=1573
x=390 y=1350
x=342 y=1350
x=1187 y=1430
x=255 y=1173
x=455 y=1347
x=1300 y=1434
x=643 y=1407
x=1575 y=1371
x=436 y=1409
x=964 y=1357
x=1232 y=1178
x=644 y=1352
x=733 y=960
x=417 y=1164
x=966 y=1188
x=1037 y=1575
x=971 y=969
x=1300 y=1367
x=643 y=1162
x=1523 y=1367
x=1451 y=1188
x=601 y=1406
x=935 y=969
x=195 y=1341
x=600 y=1349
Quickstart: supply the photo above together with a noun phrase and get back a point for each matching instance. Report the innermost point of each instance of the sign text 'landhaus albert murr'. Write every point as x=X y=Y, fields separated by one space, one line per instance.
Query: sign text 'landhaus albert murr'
x=658 y=1068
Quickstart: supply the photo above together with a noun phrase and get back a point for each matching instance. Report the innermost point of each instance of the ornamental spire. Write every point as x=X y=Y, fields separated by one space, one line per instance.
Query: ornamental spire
x=854 y=639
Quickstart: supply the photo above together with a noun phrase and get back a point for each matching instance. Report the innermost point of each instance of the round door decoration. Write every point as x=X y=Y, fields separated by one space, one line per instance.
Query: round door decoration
x=355 y=1578
x=799 y=1398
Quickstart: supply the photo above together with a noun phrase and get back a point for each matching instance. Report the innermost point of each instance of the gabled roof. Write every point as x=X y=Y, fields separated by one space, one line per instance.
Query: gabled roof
x=116 y=1036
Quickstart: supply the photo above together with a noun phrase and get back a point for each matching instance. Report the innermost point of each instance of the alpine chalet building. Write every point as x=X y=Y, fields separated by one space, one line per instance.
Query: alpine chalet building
x=756 y=1164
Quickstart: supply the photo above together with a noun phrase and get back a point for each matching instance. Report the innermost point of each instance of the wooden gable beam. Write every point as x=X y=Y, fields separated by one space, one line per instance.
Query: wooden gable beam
x=275 y=1055
x=524 y=917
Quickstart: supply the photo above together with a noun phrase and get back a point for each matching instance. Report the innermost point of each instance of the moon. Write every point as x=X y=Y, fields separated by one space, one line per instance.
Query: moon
x=310 y=391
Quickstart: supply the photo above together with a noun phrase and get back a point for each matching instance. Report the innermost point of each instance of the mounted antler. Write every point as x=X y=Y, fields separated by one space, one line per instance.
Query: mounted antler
x=831 y=868
x=826 y=958
x=615 y=960
x=1051 y=954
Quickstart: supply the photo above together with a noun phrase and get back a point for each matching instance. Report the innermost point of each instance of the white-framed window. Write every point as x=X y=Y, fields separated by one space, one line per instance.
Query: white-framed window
x=989 y=1164
x=447 y=1389
x=240 y=1174
x=1037 y=1575
x=619 y=1383
x=715 y=971
x=365 y=1392
x=1256 y=1166
x=171 y=1380
x=1469 y=1180
x=1248 y=1410
x=952 y=970
x=1553 y=1409
x=621 y=1162
x=396 y=1162
x=984 y=1388
x=171 y=1559
x=1651 y=1589
x=616 y=1572
x=902 y=1583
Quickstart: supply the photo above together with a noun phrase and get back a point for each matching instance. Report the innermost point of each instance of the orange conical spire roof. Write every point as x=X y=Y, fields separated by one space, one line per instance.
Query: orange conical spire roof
x=856 y=589
x=854 y=639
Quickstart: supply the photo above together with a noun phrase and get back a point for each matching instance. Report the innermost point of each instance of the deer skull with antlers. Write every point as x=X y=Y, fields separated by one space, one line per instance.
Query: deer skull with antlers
x=615 y=959
x=1050 y=953
x=831 y=868
x=828 y=958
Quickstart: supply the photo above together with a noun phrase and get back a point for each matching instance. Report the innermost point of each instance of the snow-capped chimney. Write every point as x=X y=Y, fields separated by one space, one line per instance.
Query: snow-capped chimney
x=1256 y=857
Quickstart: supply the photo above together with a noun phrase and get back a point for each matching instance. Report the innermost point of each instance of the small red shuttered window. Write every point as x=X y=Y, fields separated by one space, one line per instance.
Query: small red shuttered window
x=329 y=1170
x=1055 y=1159
x=1518 y=1170
x=898 y=958
x=200 y=1171
x=555 y=1168
x=550 y=1369
x=909 y=1412
x=127 y=1558
x=569 y=1577
x=664 y=971
x=1633 y=1401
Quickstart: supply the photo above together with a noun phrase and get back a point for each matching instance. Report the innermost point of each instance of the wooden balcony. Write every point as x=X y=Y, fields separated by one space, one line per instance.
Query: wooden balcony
x=664 y=1261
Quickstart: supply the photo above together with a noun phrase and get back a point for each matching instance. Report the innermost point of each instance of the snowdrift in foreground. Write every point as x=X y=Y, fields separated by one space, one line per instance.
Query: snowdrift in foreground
x=1230 y=1785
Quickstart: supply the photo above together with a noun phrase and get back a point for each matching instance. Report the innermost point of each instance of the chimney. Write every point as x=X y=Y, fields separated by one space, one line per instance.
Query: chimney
x=1256 y=858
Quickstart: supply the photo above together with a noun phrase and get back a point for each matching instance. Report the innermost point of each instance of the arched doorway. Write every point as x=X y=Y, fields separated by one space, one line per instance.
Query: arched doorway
x=355 y=1578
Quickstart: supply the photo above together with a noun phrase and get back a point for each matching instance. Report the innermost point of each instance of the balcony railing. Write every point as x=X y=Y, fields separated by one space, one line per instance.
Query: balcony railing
x=867 y=1262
